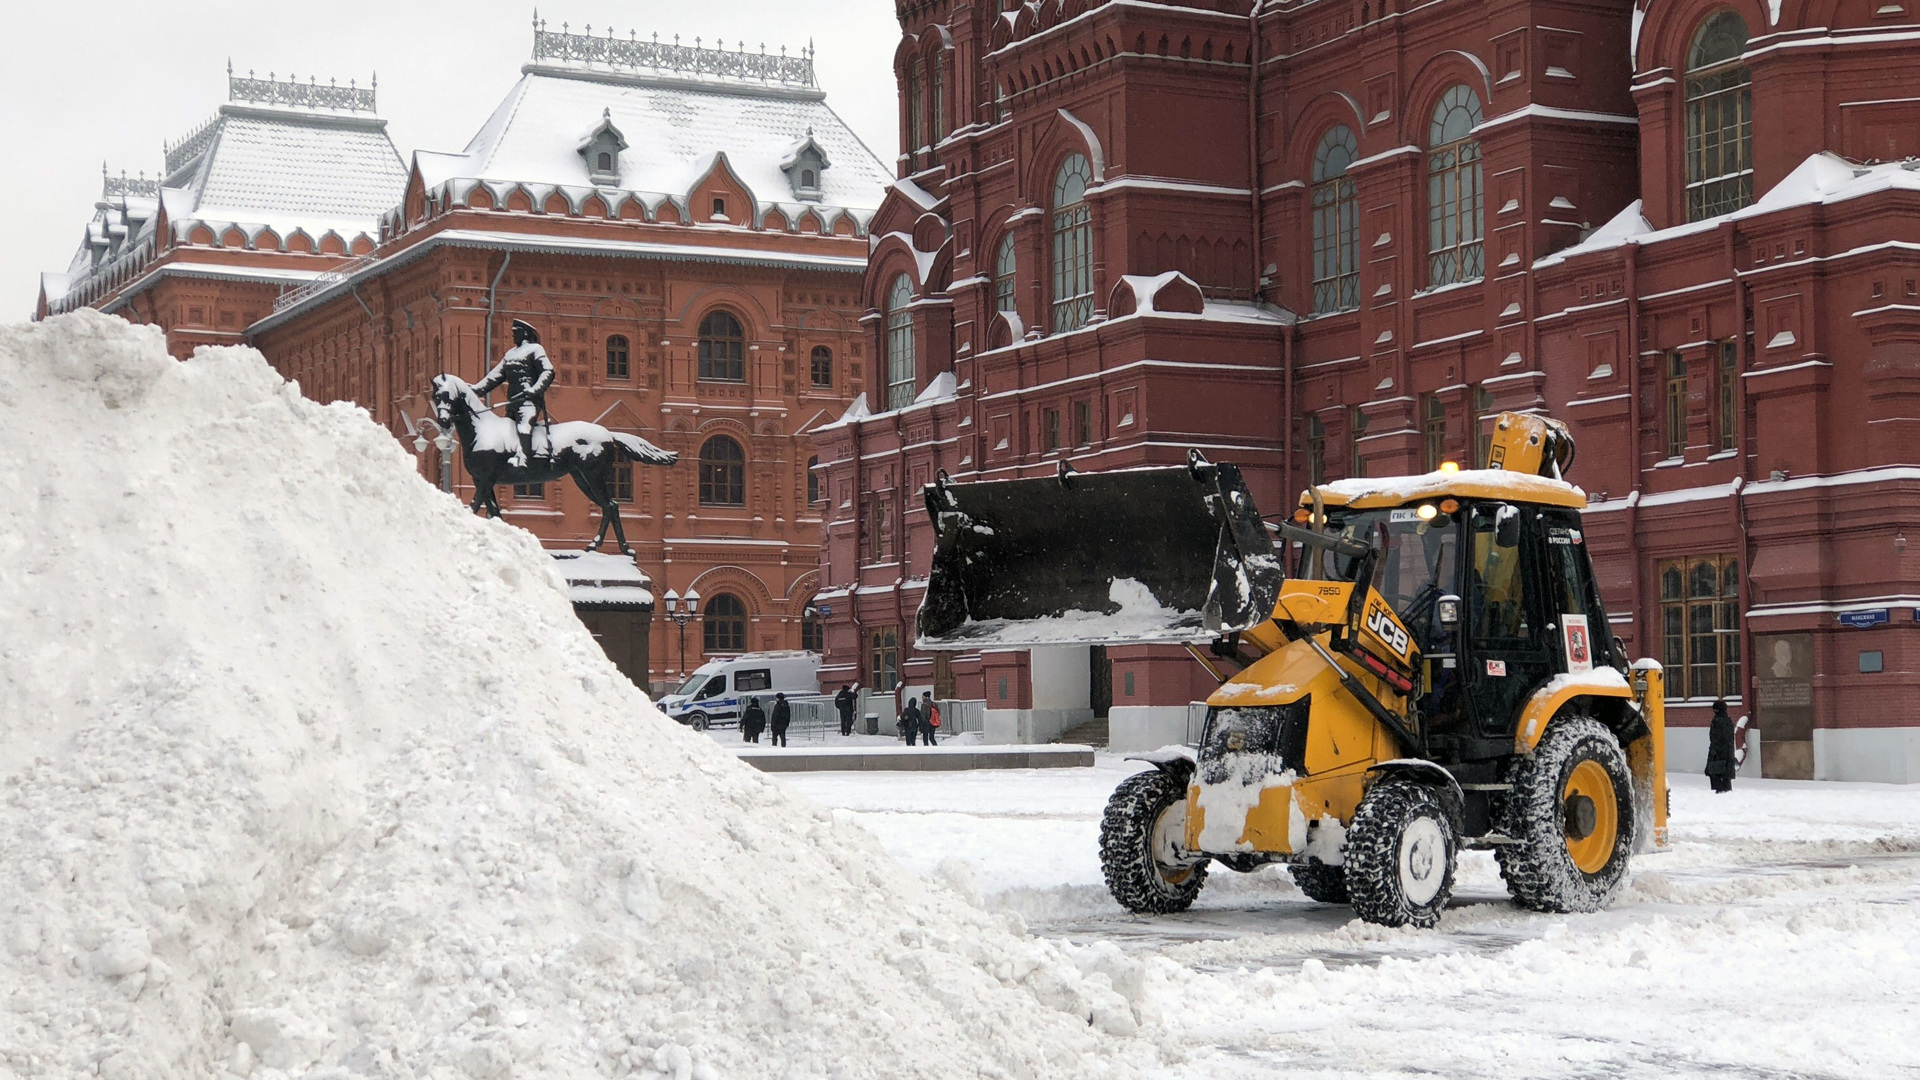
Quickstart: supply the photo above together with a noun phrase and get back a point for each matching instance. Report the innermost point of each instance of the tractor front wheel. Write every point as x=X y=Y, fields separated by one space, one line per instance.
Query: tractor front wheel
x=1400 y=855
x=1322 y=883
x=1141 y=854
x=1571 y=809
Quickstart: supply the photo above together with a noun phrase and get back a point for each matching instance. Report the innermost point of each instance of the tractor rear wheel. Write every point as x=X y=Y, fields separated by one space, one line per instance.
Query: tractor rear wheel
x=1322 y=883
x=1571 y=809
x=1400 y=855
x=1146 y=869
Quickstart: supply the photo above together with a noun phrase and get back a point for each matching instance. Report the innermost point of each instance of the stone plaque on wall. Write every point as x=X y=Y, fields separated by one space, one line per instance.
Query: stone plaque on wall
x=1783 y=683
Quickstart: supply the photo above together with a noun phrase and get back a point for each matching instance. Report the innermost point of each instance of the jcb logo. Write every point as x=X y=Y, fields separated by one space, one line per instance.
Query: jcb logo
x=1382 y=623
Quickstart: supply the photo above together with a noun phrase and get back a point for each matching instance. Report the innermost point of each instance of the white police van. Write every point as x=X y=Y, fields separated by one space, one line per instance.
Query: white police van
x=716 y=692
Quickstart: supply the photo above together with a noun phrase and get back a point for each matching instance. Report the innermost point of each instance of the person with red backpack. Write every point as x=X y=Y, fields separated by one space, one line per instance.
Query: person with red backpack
x=929 y=717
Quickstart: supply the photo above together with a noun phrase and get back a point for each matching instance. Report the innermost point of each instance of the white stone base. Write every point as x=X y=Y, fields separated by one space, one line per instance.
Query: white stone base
x=1874 y=755
x=1006 y=727
x=1135 y=729
x=1687 y=751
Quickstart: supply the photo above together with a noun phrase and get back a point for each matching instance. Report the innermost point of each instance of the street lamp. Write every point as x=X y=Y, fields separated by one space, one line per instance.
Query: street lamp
x=682 y=618
x=442 y=441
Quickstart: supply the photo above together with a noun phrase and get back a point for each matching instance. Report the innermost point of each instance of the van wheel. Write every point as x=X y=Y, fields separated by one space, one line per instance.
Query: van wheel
x=1140 y=857
x=1571 y=808
x=698 y=721
x=1399 y=857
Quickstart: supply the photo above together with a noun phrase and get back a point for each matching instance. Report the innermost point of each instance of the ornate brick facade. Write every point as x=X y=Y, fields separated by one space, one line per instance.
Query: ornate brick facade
x=1331 y=238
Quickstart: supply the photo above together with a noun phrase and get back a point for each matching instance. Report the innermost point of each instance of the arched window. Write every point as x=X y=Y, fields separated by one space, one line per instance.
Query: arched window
x=813 y=481
x=916 y=108
x=723 y=348
x=1719 y=119
x=724 y=626
x=1072 y=246
x=1336 y=224
x=1004 y=267
x=723 y=473
x=811 y=637
x=619 y=363
x=605 y=162
x=822 y=366
x=1454 y=249
x=900 y=363
x=807 y=178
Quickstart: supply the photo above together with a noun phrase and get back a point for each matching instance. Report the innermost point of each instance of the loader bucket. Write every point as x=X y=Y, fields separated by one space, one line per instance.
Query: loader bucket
x=1134 y=556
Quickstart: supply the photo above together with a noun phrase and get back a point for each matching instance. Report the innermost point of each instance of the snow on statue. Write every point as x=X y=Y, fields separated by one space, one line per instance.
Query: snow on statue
x=526 y=446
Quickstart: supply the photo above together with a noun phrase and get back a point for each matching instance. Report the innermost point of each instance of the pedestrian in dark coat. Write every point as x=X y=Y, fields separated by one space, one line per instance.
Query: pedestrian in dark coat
x=929 y=718
x=910 y=721
x=1720 y=749
x=844 y=701
x=753 y=720
x=782 y=716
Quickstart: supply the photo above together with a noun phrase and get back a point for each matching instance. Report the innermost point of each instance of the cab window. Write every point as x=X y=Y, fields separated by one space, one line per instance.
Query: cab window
x=715 y=687
x=750 y=680
x=1499 y=598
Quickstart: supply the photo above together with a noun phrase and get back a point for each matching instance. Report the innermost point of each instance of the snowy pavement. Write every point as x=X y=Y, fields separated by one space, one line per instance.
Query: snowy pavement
x=1778 y=937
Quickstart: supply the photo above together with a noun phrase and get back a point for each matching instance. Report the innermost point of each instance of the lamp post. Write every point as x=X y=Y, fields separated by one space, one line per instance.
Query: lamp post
x=442 y=441
x=682 y=618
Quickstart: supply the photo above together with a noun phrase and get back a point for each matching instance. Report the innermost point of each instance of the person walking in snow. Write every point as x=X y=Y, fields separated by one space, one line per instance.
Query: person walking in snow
x=844 y=701
x=527 y=373
x=910 y=721
x=753 y=721
x=782 y=716
x=1720 y=765
x=929 y=717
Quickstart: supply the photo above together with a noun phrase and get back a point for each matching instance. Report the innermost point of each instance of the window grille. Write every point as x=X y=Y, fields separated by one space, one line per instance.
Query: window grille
x=1700 y=626
x=1004 y=268
x=1455 y=252
x=1727 y=416
x=723 y=348
x=1072 y=246
x=822 y=367
x=724 y=626
x=723 y=473
x=1336 y=224
x=1676 y=406
x=619 y=358
x=900 y=362
x=1719 y=119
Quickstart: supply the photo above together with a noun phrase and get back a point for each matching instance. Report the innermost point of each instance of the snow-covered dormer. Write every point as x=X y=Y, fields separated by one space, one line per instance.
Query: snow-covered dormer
x=602 y=152
x=805 y=164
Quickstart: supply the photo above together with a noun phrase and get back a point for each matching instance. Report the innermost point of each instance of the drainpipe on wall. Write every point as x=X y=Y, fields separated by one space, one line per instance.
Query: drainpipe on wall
x=1253 y=148
x=1640 y=605
x=492 y=291
x=373 y=342
x=901 y=561
x=1742 y=357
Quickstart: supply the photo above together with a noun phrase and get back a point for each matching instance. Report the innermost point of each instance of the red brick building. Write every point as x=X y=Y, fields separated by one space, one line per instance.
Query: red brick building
x=687 y=227
x=1328 y=239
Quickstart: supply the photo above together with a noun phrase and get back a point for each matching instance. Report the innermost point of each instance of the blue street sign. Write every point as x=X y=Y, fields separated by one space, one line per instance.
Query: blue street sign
x=824 y=609
x=1874 y=617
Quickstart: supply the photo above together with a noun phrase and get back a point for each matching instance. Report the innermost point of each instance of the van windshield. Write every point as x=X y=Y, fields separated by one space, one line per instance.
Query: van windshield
x=691 y=688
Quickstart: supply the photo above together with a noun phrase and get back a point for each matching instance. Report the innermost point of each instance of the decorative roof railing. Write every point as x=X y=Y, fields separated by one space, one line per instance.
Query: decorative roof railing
x=302 y=293
x=122 y=185
x=655 y=55
x=301 y=95
x=182 y=153
x=105 y=278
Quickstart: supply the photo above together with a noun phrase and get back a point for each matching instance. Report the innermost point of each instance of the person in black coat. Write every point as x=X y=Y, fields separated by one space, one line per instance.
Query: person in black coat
x=910 y=721
x=844 y=701
x=753 y=721
x=782 y=716
x=1720 y=749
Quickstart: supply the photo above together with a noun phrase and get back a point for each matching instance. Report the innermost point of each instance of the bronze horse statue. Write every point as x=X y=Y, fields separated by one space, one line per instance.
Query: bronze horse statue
x=587 y=452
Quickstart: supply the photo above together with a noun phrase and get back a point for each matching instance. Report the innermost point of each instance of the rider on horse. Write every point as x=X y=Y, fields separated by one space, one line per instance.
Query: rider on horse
x=527 y=373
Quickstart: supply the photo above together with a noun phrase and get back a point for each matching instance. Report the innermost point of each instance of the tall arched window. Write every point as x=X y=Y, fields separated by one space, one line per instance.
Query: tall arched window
x=1072 y=246
x=939 y=99
x=916 y=108
x=723 y=473
x=1719 y=119
x=723 y=348
x=812 y=637
x=724 y=625
x=1004 y=267
x=900 y=369
x=1454 y=249
x=813 y=481
x=1336 y=223
x=619 y=358
x=822 y=366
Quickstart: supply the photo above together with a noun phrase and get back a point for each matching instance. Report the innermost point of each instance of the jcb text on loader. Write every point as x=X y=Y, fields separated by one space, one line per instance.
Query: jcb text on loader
x=1433 y=671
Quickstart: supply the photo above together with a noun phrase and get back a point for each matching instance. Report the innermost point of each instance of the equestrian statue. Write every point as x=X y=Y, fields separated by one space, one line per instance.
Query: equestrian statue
x=526 y=446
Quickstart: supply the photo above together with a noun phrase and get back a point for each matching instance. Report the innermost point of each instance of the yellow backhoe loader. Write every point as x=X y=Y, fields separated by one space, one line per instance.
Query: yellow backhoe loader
x=1423 y=665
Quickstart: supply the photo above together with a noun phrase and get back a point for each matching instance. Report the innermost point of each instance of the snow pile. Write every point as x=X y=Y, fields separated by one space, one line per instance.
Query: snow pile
x=305 y=772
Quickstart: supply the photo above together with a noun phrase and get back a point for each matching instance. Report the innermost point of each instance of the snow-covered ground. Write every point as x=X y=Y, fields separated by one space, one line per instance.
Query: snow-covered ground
x=1778 y=937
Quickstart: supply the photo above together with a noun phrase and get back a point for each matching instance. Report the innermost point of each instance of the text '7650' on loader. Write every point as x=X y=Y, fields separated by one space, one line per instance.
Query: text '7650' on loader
x=1424 y=665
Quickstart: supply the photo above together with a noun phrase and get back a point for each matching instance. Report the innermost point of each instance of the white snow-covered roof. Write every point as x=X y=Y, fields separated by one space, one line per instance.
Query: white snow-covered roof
x=299 y=170
x=1821 y=179
x=598 y=578
x=675 y=131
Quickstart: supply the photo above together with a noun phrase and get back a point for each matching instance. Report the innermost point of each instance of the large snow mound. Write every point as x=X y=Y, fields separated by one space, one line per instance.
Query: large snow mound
x=306 y=772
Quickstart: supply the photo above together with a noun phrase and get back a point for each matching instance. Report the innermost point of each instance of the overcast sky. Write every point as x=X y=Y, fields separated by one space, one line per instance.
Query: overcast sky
x=113 y=79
